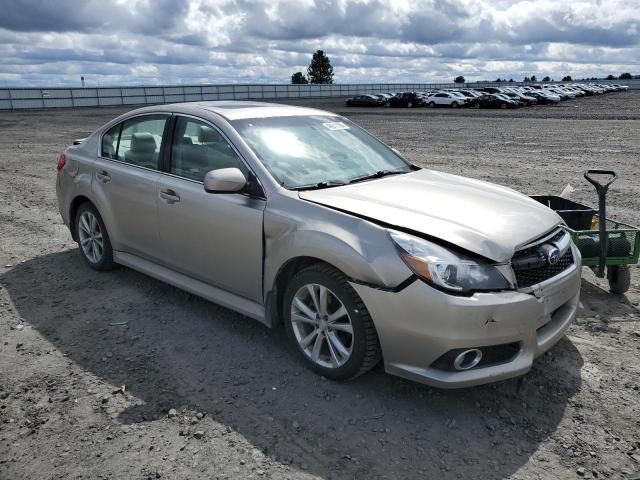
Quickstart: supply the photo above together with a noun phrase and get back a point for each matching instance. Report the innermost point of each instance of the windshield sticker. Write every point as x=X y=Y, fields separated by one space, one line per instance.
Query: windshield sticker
x=336 y=126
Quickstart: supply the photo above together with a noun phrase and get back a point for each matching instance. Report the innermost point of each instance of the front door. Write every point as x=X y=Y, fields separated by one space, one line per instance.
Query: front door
x=216 y=238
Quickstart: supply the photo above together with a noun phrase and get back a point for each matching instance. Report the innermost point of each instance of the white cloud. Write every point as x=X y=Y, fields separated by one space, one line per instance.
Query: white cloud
x=182 y=41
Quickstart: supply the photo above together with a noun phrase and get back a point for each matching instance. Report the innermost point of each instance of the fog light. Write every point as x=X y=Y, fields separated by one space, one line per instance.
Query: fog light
x=467 y=359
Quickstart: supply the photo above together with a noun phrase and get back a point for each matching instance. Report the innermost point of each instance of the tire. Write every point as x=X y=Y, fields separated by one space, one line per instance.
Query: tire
x=90 y=230
x=454 y=104
x=619 y=277
x=476 y=105
x=431 y=104
x=503 y=106
x=410 y=104
x=357 y=352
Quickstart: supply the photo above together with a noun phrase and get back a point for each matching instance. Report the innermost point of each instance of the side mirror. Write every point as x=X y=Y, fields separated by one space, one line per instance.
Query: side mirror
x=224 y=180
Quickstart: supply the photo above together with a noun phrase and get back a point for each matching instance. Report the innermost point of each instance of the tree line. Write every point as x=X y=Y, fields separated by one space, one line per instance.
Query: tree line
x=320 y=71
x=566 y=78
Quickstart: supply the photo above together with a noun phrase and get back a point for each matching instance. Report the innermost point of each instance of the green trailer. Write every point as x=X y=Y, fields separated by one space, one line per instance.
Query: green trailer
x=606 y=246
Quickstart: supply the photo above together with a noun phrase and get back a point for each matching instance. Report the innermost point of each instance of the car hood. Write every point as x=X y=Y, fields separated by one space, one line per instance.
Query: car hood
x=480 y=217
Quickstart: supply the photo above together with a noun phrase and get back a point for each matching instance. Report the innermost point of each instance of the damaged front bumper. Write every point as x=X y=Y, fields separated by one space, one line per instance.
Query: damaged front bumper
x=420 y=328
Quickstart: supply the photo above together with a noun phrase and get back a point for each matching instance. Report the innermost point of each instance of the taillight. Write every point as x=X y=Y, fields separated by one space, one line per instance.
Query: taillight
x=61 y=161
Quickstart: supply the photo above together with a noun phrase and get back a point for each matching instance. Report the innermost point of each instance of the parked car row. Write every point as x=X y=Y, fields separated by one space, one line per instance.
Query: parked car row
x=486 y=97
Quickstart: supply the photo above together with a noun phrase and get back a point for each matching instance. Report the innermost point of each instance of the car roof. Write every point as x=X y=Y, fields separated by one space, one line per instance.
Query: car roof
x=237 y=110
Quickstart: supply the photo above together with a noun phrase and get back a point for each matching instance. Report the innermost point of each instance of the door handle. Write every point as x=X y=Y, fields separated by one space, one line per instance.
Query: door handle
x=103 y=176
x=169 y=196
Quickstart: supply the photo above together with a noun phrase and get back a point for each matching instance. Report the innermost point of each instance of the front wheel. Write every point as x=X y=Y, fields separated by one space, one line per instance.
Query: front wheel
x=431 y=104
x=93 y=238
x=619 y=277
x=454 y=105
x=503 y=106
x=329 y=325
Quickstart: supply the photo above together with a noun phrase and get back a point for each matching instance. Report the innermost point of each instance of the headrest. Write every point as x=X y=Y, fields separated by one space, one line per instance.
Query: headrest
x=208 y=135
x=142 y=143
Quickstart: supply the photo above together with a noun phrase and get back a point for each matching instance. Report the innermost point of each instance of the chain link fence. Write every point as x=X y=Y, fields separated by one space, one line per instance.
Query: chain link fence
x=58 y=97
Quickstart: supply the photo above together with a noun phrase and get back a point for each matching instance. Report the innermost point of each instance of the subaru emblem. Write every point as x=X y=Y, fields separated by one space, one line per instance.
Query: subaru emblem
x=553 y=255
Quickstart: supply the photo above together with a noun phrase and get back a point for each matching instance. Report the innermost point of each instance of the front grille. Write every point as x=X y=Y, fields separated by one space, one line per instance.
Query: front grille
x=526 y=278
x=530 y=264
x=557 y=236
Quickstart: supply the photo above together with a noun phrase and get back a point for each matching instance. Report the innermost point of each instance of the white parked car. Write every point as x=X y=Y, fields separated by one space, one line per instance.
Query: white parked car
x=446 y=99
x=622 y=88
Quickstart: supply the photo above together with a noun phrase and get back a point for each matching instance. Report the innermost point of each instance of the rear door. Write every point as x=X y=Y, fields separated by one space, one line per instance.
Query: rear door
x=125 y=183
x=213 y=237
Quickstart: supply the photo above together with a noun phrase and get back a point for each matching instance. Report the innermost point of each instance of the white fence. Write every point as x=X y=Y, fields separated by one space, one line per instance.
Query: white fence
x=41 y=98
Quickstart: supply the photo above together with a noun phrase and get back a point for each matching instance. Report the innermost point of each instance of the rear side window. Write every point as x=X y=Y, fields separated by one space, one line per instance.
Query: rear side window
x=110 y=142
x=140 y=141
x=198 y=148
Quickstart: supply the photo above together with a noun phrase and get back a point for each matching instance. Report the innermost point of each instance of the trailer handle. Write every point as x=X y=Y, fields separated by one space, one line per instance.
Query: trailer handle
x=601 y=189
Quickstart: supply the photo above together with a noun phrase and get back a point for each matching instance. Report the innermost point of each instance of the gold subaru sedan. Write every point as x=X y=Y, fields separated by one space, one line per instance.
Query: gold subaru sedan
x=299 y=218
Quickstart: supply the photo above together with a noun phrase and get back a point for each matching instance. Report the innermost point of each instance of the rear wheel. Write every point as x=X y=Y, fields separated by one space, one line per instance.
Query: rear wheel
x=454 y=104
x=503 y=106
x=431 y=104
x=410 y=104
x=329 y=325
x=619 y=277
x=93 y=239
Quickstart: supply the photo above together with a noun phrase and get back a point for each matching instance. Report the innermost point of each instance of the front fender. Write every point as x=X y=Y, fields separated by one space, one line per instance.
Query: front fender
x=359 y=248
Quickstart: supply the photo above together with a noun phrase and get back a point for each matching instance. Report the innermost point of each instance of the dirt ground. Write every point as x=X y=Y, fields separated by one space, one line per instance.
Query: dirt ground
x=118 y=376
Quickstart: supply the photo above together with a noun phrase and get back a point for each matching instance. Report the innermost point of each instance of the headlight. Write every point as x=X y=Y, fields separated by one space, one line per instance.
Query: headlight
x=445 y=269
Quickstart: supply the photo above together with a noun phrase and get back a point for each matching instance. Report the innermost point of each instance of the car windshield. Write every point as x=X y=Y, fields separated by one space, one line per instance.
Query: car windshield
x=302 y=151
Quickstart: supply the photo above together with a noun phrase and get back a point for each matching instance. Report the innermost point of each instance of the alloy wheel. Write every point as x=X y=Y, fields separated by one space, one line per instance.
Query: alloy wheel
x=91 y=239
x=322 y=326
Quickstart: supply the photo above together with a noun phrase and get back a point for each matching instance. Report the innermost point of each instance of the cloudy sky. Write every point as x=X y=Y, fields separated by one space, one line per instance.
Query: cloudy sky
x=111 y=42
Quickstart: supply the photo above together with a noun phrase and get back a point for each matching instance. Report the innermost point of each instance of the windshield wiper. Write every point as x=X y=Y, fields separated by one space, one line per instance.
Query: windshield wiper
x=378 y=174
x=320 y=185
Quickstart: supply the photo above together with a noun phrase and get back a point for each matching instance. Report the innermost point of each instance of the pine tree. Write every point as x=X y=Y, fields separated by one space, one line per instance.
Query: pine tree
x=320 y=69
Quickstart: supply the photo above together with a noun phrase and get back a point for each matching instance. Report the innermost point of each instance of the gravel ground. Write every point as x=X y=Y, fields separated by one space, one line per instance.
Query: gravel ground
x=116 y=375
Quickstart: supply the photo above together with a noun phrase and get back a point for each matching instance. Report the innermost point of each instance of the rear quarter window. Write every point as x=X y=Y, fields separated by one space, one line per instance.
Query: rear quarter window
x=110 y=142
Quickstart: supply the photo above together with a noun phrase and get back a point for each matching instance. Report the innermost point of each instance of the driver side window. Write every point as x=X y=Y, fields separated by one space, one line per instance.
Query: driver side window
x=199 y=148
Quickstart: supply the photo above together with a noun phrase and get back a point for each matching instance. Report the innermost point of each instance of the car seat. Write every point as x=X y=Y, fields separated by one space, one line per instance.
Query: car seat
x=142 y=151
